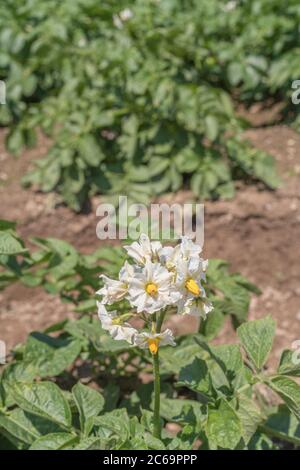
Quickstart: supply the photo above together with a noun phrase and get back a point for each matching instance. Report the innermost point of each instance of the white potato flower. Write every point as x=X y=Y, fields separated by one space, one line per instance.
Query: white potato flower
x=189 y=249
x=118 y=329
x=188 y=282
x=144 y=250
x=197 y=306
x=152 y=289
x=190 y=273
x=154 y=340
x=171 y=257
x=116 y=290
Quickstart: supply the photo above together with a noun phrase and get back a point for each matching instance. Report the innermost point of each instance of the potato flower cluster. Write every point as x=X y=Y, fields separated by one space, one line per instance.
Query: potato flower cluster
x=159 y=278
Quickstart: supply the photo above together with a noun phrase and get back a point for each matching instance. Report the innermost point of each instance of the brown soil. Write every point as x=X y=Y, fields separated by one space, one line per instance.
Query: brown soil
x=257 y=232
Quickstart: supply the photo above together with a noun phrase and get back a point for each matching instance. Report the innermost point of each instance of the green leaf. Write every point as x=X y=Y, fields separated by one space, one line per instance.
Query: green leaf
x=15 y=141
x=153 y=442
x=217 y=369
x=236 y=300
x=257 y=339
x=187 y=161
x=289 y=391
x=230 y=358
x=10 y=245
x=235 y=73
x=223 y=427
x=15 y=372
x=265 y=170
x=7 y=225
x=226 y=190
x=26 y=426
x=89 y=403
x=214 y=322
x=51 y=176
x=283 y=425
x=17 y=425
x=43 y=399
x=196 y=184
x=90 y=443
x=50 y=355
x=90 y=150
x=177 y=410
x=114 y=423
x=173 y=359
x=54 y=441
x=29 y=85
x=9 y=442
x=196 y=376
x=250 y=416
x=289 y=363
x=212 y=128
x=261 y=441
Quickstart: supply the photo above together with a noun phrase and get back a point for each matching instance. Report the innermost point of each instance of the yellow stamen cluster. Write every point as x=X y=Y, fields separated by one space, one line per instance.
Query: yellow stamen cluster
x=151 y=289
x=117 y=321
x=192 y=286
x=153 y=345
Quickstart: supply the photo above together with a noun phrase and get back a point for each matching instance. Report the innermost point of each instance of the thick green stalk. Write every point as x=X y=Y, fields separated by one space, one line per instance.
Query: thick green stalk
x=157 y=429
x=160 y=321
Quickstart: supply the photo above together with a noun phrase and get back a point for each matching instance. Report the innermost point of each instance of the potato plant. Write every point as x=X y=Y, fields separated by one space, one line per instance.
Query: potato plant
x=142 y=98
x=137 y=90
x=217 y=395
x=214 y=393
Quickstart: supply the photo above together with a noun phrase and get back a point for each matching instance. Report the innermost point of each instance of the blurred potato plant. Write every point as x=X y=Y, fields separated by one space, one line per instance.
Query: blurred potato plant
x=139 y=103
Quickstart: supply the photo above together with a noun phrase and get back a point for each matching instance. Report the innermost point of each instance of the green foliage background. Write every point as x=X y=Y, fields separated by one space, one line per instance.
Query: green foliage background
x=143 y=106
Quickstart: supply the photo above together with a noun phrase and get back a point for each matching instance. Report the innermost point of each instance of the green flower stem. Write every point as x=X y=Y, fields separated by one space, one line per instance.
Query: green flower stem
x=157 y=429
x=160 y=321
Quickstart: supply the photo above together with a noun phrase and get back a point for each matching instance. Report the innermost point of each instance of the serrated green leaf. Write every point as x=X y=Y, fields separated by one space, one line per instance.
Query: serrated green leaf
x=257 y=337
x=26 y=426
x=223 y=427
x=177 y=410
x=50 y=355
x=153 y=443
x=90 y=443
x=44 y=399
x=289 y=363
x=55 y=441
x=114 y=423
x=197 y=377
x=89 y=403
x=250 y=416
x=289 y=391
